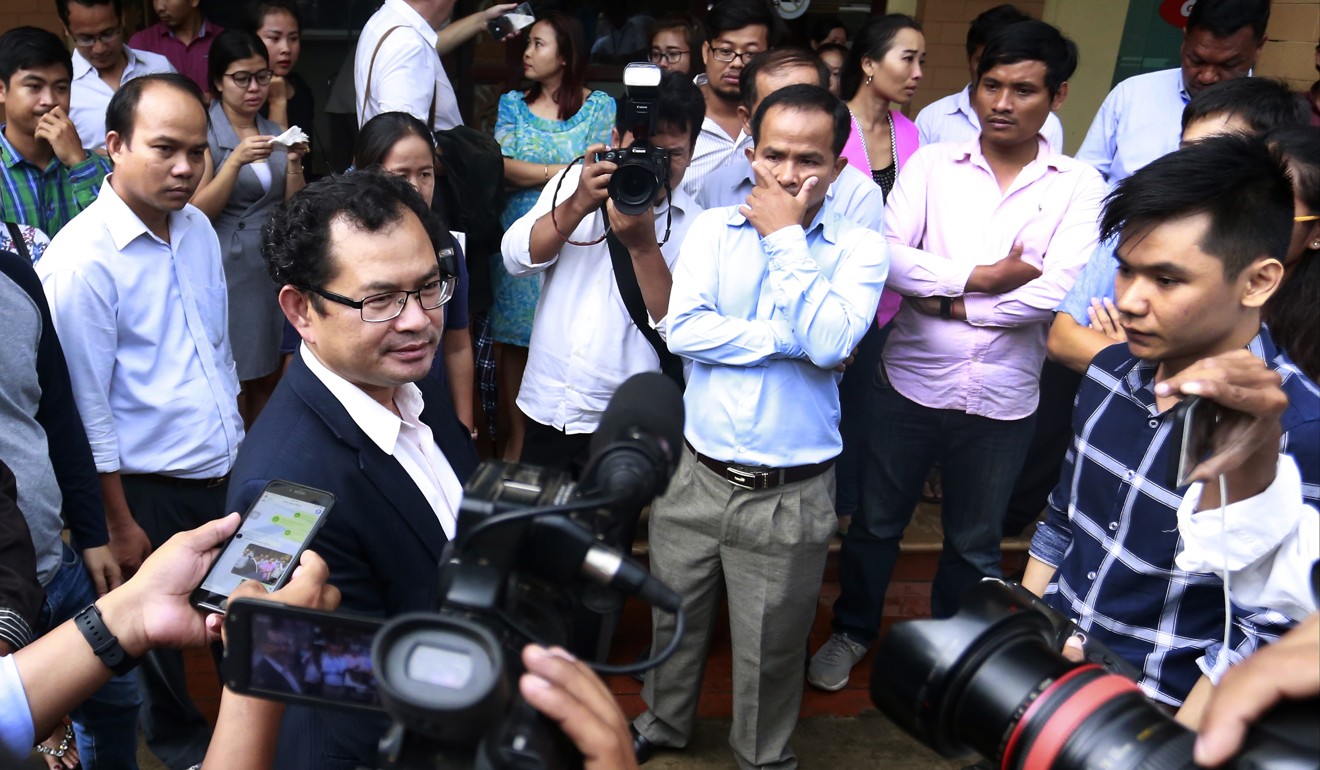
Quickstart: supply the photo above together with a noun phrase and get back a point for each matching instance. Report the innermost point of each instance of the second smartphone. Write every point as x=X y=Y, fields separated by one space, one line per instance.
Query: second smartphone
x=266 y=548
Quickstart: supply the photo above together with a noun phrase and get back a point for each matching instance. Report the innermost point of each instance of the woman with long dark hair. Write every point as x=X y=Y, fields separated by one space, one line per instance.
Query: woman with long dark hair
x=247 y=176
x=400 y=144
x=541 y=130
x=1291 y=312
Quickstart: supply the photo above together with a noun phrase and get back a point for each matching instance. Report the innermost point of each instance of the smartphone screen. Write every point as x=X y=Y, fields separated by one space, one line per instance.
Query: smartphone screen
x=266 y=548
x=301 y=656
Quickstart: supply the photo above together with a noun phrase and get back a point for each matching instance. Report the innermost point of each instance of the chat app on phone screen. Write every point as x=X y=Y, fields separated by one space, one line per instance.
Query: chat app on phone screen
x=266 y=544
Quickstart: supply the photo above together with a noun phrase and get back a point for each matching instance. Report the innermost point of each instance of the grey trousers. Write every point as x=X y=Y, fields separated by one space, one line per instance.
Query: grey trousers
x=767 y=549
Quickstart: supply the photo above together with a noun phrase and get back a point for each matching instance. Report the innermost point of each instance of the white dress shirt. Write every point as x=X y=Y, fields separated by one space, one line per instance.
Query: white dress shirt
x=407 y=75
x=584 y=344
x=1266 y=543
x=145 y=328
x=952 y=119
x=89 y=95
x=404 y=437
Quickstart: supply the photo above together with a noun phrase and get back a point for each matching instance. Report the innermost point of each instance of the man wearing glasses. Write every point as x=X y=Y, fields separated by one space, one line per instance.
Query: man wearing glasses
x=101 y=63
x=365 y=270
x=736 y=30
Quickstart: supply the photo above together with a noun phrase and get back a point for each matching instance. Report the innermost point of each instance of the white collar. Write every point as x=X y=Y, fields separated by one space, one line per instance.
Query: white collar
x=380 y=424
x=413 y=19
x=125 y=226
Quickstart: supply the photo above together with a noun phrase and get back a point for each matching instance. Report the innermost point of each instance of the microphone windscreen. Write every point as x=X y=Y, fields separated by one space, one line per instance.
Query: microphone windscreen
x=649 y=402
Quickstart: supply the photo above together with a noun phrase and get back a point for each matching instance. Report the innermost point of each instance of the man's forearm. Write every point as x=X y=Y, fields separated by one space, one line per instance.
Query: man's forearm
x=1037 y=576
x=117 y=512
x=459 y=32
x=655 y=281
x=1074 y=345
x=245 y=732
x=550 y=233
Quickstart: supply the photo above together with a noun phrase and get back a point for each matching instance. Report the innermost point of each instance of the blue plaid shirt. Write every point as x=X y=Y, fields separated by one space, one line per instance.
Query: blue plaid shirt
x=1112 y=526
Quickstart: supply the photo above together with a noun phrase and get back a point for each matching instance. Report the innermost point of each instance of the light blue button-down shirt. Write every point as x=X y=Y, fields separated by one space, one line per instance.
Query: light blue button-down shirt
x=15 y=718
x=1096 y=281
x=765 y=321
x=1140 y=120
x=952 y=119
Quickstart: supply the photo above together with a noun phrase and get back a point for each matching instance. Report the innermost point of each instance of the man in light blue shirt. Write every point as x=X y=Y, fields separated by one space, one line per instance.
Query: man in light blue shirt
x=769 y=300
x=854 y=195
x=1141 y=119
x=952 y=118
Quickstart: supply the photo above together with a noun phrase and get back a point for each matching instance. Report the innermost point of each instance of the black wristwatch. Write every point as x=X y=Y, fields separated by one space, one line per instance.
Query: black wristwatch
x=104 y=644
x=946 y=308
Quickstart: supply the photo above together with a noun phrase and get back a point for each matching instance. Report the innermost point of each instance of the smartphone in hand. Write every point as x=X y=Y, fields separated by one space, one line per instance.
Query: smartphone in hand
x=1194 y=422
x=275 y=530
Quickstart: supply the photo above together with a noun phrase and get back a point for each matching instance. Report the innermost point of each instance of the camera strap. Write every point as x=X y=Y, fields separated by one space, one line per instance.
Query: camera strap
x=631 y=294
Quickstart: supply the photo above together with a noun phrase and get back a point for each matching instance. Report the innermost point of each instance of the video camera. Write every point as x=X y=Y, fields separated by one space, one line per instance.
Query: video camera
x=643 y=169
x=529 y=544
x=991 y=679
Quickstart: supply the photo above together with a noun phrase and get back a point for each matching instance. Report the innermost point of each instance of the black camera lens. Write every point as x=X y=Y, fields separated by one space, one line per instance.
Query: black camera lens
x=988 y=679
x=634 y=188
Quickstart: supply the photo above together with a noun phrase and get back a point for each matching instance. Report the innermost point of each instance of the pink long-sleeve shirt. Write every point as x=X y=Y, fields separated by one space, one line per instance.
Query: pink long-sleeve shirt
x=947 y=215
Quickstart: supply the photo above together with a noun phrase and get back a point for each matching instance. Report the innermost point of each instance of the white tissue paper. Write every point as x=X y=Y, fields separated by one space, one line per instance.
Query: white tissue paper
x=291 y=137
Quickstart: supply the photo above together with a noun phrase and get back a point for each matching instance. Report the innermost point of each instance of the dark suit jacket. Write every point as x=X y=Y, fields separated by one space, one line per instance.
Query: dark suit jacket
x=381 y=539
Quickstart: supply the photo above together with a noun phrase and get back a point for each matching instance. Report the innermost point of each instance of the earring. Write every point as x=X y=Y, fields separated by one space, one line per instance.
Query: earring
x=1315 y=244
x=869 y=78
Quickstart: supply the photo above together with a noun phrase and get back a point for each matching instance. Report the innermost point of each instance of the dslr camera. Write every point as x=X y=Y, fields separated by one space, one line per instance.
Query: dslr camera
x=643 y=169
x=991 y=679
x=530 y=545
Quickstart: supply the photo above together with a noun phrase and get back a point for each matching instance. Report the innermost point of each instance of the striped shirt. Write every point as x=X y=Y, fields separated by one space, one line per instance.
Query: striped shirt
x=714 y=150
x=1112 y=527
x=46 y=198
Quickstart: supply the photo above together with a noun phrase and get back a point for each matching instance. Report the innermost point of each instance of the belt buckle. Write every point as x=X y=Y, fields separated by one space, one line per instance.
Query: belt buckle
x=750 y=480
x=215 y=482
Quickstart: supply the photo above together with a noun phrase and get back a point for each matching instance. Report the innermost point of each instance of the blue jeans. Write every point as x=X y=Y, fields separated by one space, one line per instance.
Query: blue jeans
x=105 y=726
x=979 y=461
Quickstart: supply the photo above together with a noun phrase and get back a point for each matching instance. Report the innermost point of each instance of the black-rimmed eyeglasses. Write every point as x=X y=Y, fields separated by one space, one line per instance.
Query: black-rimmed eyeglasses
x=728 y=55
x=671 y=56
x=388 y=305
x=244 y=79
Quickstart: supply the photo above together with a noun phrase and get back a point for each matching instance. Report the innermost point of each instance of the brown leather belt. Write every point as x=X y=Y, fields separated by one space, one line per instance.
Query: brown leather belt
x=757 y=476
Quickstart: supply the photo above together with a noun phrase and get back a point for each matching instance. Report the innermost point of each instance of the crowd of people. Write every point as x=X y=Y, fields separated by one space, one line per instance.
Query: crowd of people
x=863 y=308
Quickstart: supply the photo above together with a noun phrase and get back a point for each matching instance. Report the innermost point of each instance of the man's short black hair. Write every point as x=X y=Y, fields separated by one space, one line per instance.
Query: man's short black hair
x=1263 y=103
x=1032 y=40
x=296 y=240
x=1233 y=179
x=27 y=48
x=985 y=25
x=774 y=61
x=120 y=114
x=62 y=7
x=806 y=98
x=735 y=14
x=1223 y=18
x=679 y=106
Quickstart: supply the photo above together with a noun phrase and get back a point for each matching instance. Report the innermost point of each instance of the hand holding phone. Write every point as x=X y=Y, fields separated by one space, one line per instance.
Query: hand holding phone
x=1244 y=442
x=275 y=531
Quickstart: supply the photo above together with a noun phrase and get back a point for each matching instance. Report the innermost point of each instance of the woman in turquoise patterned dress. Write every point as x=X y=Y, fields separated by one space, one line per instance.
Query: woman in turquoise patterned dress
x=540 y=131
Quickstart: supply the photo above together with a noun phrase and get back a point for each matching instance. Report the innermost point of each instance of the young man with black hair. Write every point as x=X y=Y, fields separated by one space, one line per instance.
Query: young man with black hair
x=736 y=30
x=1139 y=120
x=769 y=300
x=46 y=177
x=1201 y=235
x=1087 y=321
x=364 y=275
x=183 y=36
x=958 y=381
x=102 y=62
x=584 y=341
x=137 y=293
x=953 y=118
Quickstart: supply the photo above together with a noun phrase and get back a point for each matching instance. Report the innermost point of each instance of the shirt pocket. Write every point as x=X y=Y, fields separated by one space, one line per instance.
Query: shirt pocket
x=213 y=309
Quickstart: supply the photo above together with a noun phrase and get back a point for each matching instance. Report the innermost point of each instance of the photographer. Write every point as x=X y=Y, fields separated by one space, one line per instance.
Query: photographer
x=45 y=680
x=584 y=340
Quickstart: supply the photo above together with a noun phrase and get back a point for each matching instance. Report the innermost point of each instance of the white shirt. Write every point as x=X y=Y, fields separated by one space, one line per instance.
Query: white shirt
x=407 y=75
x=89 y=95
x=1266 y=543
x=145 y=328
x=714 y=150
x=584 y=343
x=952 y=119
x=16 y=729
x=404 y=437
